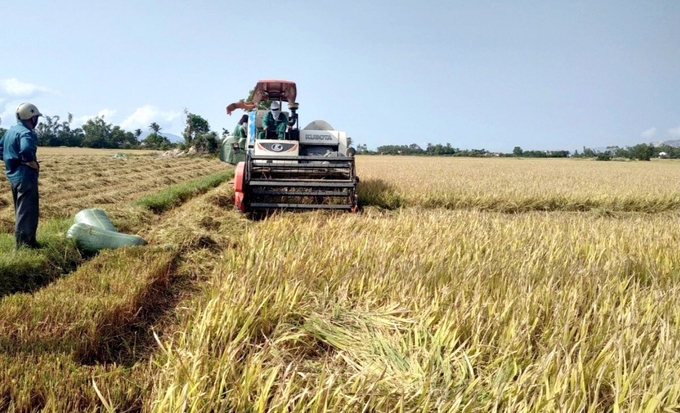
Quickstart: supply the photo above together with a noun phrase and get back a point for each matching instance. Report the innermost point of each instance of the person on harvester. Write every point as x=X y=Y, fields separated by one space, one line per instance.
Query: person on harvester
x=275 y=122
x=241 y=131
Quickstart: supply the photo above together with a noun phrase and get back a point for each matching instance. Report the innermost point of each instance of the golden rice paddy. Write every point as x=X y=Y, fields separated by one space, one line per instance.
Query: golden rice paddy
x=463 y=285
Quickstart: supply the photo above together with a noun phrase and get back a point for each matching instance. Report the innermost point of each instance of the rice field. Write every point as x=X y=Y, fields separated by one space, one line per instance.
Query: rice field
x=464 y=285
x=87 y=178
x=521 y=185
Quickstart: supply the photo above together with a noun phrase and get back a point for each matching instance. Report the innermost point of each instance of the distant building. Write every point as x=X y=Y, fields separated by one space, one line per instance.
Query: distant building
x=663 y=155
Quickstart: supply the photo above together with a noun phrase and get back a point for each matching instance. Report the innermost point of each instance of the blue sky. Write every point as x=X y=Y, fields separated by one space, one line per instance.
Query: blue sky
x=475 y=74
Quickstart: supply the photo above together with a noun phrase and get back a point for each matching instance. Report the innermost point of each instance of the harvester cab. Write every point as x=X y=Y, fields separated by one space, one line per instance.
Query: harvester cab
x=309 y=168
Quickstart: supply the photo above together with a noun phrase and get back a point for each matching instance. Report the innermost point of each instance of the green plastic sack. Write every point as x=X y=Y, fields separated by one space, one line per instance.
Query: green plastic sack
x=91 y=238
x=94 y=231
x=95 y=217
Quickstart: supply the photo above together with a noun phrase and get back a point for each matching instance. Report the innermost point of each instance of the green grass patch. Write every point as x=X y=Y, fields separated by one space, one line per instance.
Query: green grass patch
x=28 y=269
x=177 y=194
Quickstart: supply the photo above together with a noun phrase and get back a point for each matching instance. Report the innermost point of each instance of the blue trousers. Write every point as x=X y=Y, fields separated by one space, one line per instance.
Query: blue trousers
x=26 y=212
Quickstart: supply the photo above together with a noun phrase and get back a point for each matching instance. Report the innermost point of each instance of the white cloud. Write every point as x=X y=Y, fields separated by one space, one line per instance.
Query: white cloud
x=16 y=88
x=7 y=115
x=648 y=134
x=106 y=114
x=674 y=132
x=145 y=115
x=13 y=92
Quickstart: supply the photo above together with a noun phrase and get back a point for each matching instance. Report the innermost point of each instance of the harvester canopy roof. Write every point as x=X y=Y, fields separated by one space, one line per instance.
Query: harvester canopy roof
x=283 y=90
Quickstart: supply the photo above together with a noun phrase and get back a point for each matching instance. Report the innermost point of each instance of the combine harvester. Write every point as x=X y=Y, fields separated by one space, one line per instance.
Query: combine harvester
x=311 y=168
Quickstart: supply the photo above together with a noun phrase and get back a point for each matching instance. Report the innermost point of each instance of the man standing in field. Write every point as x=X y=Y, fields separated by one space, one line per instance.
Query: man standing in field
x=18 y=149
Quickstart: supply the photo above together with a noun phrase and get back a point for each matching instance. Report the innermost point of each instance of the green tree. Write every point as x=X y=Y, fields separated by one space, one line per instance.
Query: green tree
x=412 y=149
x=362 y=148
x=642 y=152
x=155 y=128
x=440 y=149
x=76 y=137
x=157 y=141
x=261 y=105
x=207 y=142
x=195 y=128
x=120 y=138
x=97 y=133
x=517 y=151
x=68 y=136
x=48 y=131
x=52 y=132
x=622 y=153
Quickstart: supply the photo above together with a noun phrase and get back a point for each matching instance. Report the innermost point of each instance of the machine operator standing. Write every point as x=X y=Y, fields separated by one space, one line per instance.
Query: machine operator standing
x=18 y=149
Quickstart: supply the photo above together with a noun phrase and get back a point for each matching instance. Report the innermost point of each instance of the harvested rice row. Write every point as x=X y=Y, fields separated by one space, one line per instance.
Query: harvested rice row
x=85 y=313
x=54 y=382
x=56 y=342
x=126 y=181
x=99 y=314
x=57 y=201
x=116 y=196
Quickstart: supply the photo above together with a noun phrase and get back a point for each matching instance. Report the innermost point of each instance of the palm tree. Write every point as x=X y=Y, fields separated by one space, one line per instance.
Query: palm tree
x=155 y=127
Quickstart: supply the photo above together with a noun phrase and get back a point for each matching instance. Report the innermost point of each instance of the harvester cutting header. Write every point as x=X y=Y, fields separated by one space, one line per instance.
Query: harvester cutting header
x=280 y=166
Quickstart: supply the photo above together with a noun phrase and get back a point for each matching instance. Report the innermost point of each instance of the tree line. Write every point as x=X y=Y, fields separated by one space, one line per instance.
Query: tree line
x=98 y=133
x=641 y=151
x=448 y=150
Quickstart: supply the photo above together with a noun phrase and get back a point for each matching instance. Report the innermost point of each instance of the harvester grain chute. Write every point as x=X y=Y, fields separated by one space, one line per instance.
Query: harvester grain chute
x=309 y=168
